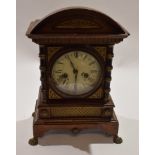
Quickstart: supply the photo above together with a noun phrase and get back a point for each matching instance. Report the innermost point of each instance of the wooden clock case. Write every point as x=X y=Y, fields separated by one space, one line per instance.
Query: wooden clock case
x=63 y=31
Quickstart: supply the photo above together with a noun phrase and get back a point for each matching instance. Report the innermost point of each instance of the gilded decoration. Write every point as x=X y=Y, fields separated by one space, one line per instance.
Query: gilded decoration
x=52 y=51
x=97 y=94
x=53 y=95
x=77 y=23
x=101 y=51
x=75 y=111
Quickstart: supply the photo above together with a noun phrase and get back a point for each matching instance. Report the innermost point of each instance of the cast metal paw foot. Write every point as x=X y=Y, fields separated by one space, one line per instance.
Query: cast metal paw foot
x=117 y=140
x=33 y=141
x=33 y=114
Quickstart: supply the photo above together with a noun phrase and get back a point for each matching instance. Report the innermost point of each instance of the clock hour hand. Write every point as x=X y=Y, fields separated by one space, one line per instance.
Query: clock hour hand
x=76 y=73
x=75 y=84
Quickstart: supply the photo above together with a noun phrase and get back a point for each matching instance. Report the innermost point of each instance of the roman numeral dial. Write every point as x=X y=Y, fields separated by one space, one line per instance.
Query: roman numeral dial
x=76 y=73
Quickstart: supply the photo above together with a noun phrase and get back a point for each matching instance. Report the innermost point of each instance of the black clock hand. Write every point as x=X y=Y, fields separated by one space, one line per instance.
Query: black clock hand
x=76 y=73
x=75 y=84
x=71 y=64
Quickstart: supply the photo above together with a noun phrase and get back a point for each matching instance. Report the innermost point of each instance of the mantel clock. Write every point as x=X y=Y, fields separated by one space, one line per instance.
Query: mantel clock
x=76 y=52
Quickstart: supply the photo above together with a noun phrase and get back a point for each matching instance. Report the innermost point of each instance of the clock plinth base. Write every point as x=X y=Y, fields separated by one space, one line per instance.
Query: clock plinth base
x=41 y=126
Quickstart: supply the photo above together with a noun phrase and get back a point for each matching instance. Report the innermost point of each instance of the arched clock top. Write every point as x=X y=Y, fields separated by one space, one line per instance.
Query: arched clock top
x=75 y=24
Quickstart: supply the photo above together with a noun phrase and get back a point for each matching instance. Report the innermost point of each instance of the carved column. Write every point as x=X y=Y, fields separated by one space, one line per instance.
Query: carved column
x=42 y=56
x=108 y=69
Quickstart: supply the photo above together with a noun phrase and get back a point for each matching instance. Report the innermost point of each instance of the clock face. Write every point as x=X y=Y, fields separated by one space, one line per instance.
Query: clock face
x=76 y=73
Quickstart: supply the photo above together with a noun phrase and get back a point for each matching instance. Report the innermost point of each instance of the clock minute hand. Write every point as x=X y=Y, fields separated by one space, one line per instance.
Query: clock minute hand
x=75 y=72
x=71 y=63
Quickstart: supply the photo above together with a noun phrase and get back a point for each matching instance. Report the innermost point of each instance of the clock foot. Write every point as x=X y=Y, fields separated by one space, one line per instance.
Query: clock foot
x=117 y=139
x=33 y=141
x=33 y=114
x=75 y=131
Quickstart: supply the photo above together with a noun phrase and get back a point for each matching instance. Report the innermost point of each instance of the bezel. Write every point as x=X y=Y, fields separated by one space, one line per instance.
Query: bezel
x=65 y=50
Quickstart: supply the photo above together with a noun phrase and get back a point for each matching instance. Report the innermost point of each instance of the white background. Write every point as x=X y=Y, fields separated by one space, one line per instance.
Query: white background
x=8 y=84
x=124 y=84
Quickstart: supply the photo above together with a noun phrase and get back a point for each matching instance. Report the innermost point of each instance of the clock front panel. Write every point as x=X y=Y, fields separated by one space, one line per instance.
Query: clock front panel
x=75 y=72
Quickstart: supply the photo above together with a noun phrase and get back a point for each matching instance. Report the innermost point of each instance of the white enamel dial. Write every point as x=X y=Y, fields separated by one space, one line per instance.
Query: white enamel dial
x=76 y=73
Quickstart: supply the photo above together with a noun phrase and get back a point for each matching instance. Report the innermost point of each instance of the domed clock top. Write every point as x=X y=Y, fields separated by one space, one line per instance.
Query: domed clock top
x=76 y=25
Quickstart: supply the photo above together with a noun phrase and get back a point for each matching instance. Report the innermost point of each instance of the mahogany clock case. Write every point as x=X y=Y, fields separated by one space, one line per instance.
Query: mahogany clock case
x=61 y=32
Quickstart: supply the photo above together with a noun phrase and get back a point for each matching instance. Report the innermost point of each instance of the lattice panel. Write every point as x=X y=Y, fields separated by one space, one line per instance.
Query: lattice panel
x=75 y=111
